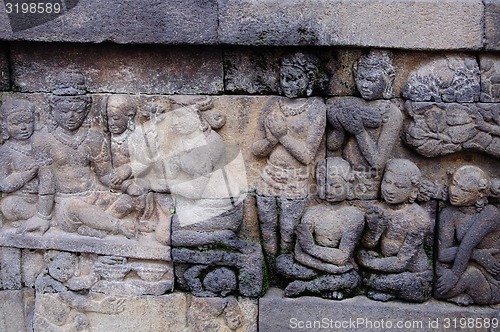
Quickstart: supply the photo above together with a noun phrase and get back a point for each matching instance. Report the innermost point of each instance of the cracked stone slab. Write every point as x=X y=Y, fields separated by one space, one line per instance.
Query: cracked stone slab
x=124 y=22
x=446 y=25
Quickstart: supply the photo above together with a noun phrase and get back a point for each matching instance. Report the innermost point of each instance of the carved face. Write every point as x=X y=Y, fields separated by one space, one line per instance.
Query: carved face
x=293 y=81
x=371 y=83
x=20 y=125
x=463 y=191
x=117 y=117
x=336 y=188
x=186 y=120
x=62 y=266
x=70 y=113
x=396 y=188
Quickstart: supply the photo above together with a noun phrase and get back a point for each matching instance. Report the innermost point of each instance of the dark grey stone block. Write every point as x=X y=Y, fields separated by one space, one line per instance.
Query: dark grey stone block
x=492 y=24
x=120 y=69
x=127 y=22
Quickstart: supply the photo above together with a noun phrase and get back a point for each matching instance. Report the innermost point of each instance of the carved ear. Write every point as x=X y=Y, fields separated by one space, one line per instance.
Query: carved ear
x=413 y=195
x=321 y=178
x=483 y=184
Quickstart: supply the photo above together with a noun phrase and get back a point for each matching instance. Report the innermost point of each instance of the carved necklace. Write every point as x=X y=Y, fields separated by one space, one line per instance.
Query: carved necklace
x=291 y=111
x=122 y=138
x=26 y=152
x=73 y=142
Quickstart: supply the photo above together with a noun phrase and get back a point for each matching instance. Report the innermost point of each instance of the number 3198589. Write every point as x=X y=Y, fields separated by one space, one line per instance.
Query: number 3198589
x=33 y=8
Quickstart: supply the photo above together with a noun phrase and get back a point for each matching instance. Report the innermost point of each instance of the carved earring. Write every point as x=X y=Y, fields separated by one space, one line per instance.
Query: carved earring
x=481 y=203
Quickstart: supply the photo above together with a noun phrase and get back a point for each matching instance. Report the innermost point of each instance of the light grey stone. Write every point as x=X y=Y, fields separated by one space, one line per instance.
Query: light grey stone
x=120 y=69
x=127 y=22
x=280 y=314
x=454 y=24
x=10 y=268
x=492 y=24
x=16 y=310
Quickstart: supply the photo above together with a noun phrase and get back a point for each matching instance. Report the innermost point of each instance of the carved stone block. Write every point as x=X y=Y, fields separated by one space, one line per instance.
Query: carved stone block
x=444 y=128
x=490 y=77
x=16 y=310
x=389 y=24
x=492 y=25
x=145 y=21
x=452 y=79
x=149 y=69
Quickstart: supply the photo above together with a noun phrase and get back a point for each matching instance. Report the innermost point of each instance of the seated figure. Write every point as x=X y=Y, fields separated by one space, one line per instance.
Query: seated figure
x=393 y=257
x=326 y=238
x=74 y=169
x=468 y=266
x=18 y=170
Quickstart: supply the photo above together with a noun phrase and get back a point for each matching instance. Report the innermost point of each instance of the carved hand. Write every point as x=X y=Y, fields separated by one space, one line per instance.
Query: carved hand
x=277 y=125
x=111 y=305
x=446 y=281
x=486 y=257
x=365 y=257
x=121 y=174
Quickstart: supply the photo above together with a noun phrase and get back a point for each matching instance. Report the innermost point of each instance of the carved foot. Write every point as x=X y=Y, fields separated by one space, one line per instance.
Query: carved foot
x=295 y=288
x=379 y=296
x=87 y=231
x=462 y=299
x=332 y=295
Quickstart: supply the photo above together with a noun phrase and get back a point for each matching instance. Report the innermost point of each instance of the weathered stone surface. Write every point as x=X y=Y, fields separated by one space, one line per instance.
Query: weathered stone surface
x=16 y=310
x=167 y=313
x=453 y=78
x=120 y=69
x=490 y=77
x=452 y=24
x=492 y=24
x=130 y=22
x=4 y=68
x=10 y=268
x=280 y=314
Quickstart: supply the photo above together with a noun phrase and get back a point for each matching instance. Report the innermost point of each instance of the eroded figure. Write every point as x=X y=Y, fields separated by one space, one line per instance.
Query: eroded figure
x=365 y=130
x=468 y=267
x=289 y=133
x=61 y=307
x=212 y=259
x=74 y=169
x=323 y=259
x=393 y=257
x=18 y=169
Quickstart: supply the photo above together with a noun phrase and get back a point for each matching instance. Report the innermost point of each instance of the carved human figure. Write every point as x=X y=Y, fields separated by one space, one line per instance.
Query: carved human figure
x=366 y=129
x=289 y=133
x=74 y=169
x=63 y=307
x=393 y=257
x=207 y=200
x=18 y=169
x=468 y=267
x=326 y=238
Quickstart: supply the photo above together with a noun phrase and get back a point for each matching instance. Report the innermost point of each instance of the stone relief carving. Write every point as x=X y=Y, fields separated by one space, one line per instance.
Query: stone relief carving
x=323 y=258
x=62 y=281
x=490 y=79
x=18 y=169
x=451 y=79
x=443 y=128
x=392 y=251
x=468 y=266
x=364 y=130
x=289 y=133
